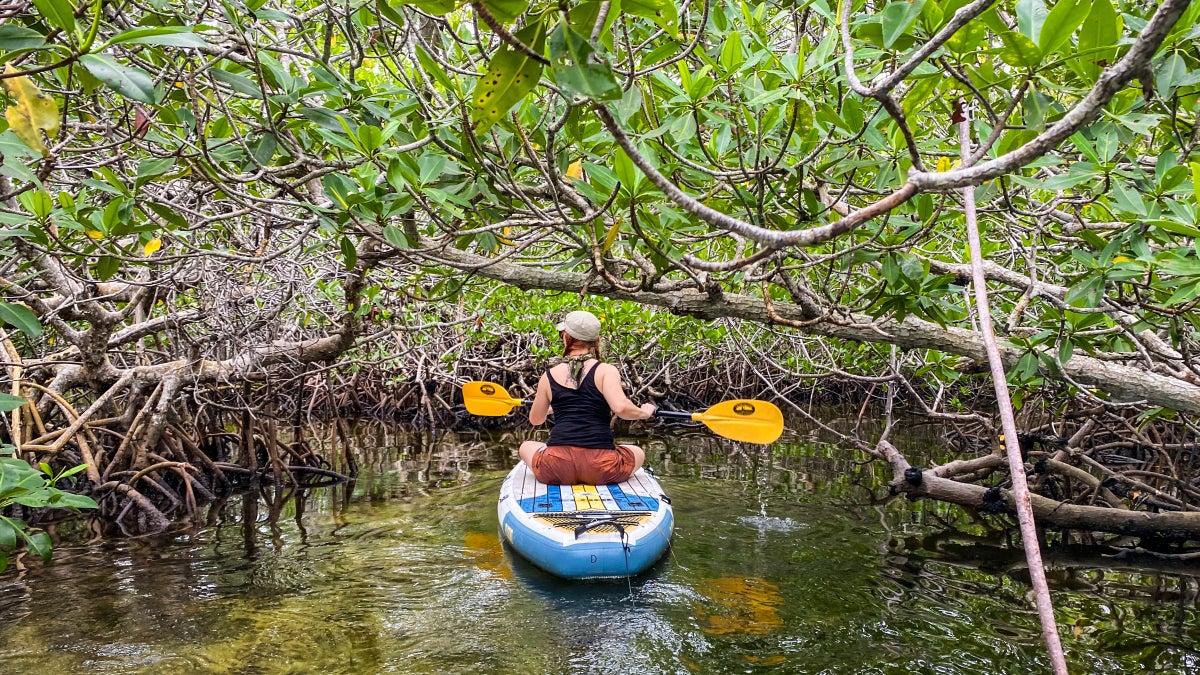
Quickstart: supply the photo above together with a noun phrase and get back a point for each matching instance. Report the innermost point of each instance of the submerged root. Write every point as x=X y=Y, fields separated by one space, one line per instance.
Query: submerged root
x=151 y=457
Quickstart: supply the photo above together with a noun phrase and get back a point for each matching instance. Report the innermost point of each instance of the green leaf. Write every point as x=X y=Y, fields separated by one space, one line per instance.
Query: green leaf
x=1065 y=351
x=37 y=202
x=275 y=73
x=1060 y=24
x=506 y=11
x=1098 y=39
x=14 y=37
x=167 y=213
x=1175 y=227
x=167 y=36
x=1031 y=14
x=601 y=176
x=264 y=149
x=20 y=317
x=59 y=13
x=431 y=167
x=1184 y=267
x=68 y=500
x=39 y=544
x=401 y=172
x=1129 y=200
x=9 y=402
x=8 y=535
x=1026 y=368
x=1186 y=292
x=662 y=12
x=891 y=270
x=370 y=137
x=431 y=67
x=1085 y=146
x=17 y=477
x=387 y=11
x=395 y=237
x=968 y=38
x=323 y=117
x=509 y=77
x=71 y=471
x=626 y=172
x=349 y=253
x=239 y=83
x=581 y=74
x=1086 y=293
x=152 y=168
x=733 y=54
x=434 y=7
x=897 y=18
x=584 y=16
x=1171 y=72
x=107 y=267
x=1019 y=51
x=1196 y=180
x=129 y=82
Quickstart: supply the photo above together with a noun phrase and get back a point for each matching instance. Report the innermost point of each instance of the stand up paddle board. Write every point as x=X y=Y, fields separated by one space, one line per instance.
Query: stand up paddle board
x=586 y=531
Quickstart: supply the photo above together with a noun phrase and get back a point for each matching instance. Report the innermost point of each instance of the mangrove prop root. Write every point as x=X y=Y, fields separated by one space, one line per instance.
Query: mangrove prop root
x=179 y=446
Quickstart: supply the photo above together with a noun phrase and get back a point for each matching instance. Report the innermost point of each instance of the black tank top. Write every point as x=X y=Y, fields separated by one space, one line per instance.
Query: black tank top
x=581 y=416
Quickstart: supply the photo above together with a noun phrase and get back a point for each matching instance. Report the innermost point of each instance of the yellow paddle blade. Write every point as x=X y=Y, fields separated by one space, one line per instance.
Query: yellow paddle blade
x=488 y=399
x=744 y=420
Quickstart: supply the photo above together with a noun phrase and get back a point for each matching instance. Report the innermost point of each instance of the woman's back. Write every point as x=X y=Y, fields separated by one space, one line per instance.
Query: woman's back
x=582 y=416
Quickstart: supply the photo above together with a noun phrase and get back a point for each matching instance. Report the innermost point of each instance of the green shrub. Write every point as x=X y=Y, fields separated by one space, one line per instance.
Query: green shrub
x=32 y=487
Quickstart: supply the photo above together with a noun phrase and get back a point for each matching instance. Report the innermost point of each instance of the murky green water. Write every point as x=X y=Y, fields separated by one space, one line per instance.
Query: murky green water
x=783 y=563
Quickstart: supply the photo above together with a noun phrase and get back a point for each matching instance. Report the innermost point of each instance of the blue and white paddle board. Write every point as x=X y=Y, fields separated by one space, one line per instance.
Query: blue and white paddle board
x=586 y=531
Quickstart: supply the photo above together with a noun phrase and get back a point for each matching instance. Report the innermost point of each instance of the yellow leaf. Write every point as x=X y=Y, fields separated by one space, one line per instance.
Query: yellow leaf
x=611 y=237
x=945 y=164
x=152 y=246
x=32 y=113
x=575 y=170
x=23 y=128
x=95 y=234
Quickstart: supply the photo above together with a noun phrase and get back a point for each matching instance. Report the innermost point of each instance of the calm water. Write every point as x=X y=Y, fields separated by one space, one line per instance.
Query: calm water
x=787 y=563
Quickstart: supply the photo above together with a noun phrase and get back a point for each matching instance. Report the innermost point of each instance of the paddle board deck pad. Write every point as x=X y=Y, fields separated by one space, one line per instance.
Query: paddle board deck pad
x=586 y=531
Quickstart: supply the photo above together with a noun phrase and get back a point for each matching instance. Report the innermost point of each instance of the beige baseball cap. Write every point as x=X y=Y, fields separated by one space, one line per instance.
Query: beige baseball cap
x=581 y=325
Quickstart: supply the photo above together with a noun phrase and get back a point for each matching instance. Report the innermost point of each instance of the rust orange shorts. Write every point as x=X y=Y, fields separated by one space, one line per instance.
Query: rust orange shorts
x=573 y=465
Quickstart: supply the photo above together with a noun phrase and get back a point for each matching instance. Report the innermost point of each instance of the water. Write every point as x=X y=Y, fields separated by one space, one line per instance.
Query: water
x=784 y=563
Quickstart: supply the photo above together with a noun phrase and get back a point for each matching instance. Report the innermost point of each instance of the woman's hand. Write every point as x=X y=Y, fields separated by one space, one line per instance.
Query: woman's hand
x=649 y=409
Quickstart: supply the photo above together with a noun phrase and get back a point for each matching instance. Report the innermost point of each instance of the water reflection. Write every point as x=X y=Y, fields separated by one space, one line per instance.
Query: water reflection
x=747 y=606
x=783 y=561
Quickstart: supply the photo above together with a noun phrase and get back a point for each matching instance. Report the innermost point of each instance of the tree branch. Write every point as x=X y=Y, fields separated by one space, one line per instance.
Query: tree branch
x=1111 y=81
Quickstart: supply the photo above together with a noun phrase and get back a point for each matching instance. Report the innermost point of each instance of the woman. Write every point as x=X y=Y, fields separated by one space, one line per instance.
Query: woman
x=584 y=393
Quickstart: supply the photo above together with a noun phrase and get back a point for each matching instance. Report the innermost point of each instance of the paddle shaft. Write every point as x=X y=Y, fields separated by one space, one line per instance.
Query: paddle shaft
x=673 y=414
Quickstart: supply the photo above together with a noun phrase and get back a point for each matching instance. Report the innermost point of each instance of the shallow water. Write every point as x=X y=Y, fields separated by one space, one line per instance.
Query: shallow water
x=786 y=562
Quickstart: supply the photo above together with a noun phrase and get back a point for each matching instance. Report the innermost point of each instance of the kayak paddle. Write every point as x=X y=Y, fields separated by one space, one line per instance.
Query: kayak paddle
x=488 y=399
x=745 y=420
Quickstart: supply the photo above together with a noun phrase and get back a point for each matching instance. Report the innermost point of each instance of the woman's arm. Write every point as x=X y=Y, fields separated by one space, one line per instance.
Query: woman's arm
x=608 y=380
x=541 y=402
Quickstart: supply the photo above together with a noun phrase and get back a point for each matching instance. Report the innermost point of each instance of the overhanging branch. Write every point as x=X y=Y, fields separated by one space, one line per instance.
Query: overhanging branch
x=1121 y=382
